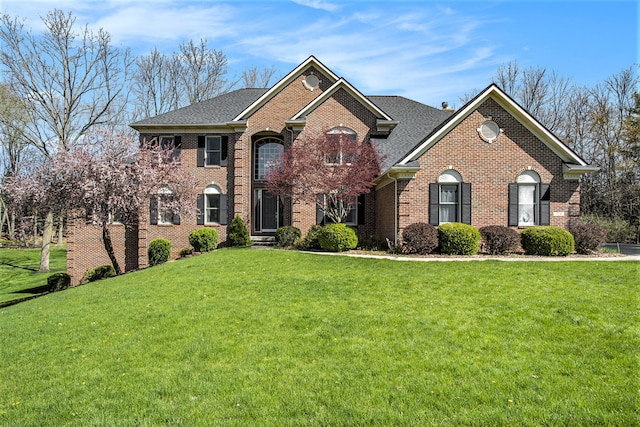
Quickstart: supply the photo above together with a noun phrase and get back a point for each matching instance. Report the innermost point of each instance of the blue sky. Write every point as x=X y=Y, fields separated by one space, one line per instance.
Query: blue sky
x=425 y=50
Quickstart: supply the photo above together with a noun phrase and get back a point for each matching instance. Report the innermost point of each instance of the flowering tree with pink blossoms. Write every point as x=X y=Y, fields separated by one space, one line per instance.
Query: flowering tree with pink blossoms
x=107 y=179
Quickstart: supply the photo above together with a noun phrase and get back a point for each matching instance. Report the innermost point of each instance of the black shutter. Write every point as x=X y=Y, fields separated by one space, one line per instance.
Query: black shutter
x=434 y=204
x=200 y=204
x=177 y=147
x=545 y=204
x=513 y=204
x=223 y=209
x=224 y=143
x=361 y=211
x=200 y=155
x=176 y=219
x=319 y=212
x=465 y=189
x=153 y=210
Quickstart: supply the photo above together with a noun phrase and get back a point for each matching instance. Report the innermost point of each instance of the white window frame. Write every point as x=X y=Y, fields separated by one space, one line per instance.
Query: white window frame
x=211 y=190
x=340 y=130
x=450 y=178
x=531 y=180
x=163 y=213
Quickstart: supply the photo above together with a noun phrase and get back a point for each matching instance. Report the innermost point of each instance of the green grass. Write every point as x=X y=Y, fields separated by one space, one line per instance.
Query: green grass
x=278 y=338
x=19 y=276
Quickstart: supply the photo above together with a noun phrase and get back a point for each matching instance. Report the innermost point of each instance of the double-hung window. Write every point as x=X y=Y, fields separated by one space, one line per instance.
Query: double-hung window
x=212 y=150
x=160 y=208
x=529 y=201
x=341 y=146
x=449 y=199
x=212 y=206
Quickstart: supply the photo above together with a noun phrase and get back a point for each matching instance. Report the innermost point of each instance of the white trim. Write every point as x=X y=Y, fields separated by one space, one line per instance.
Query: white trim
x=519 y=113
x=342 y=84
x=285 y=81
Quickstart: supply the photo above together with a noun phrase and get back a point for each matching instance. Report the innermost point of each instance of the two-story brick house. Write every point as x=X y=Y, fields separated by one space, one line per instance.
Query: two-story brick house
x=488 y=163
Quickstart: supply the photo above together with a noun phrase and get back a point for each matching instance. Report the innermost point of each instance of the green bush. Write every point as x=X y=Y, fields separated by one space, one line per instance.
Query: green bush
x=588 y=237
x=547 y=240
x=618 y=230
x=499 y=240
x=238 y=233
x=99 y=273
x=458 y=239
x=159 y=251
x=58 y=282
x=310 y=241
x=186 y=251
x=419 y=238
x=337 y=238
x=204 y=239
x=286 y=236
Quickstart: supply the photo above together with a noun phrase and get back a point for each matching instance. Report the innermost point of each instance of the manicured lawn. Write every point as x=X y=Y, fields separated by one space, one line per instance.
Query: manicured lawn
x=277 y=338
x=19 y=276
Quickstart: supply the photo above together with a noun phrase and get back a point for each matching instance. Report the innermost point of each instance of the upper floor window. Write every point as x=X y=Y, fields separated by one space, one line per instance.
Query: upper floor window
x=267 y=154
x=212 y=150
x=341 y=146
x=174 y=143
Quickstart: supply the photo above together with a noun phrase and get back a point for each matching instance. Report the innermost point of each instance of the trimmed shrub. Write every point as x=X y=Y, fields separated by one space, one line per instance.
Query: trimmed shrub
x=286 y=236
x=547 y=240
x=588 y=237
x=186 y=251
x=310 y=241
x=238 y=233
x=204 y=239
x=58 y=282
x=419 y=238
x=159 y=251
x=499 y=240
x=458 y=239
x=99 y=273
x=337 y=238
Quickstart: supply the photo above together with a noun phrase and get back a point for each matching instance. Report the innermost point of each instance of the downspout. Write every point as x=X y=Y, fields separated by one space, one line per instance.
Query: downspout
x=395 y=209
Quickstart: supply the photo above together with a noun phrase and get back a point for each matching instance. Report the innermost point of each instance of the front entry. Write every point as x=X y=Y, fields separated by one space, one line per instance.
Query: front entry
x=267 y=210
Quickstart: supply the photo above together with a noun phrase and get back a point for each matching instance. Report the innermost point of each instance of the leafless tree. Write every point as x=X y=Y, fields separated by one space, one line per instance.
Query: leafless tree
x=155 y=84
x=254 y=78
x=72 y=80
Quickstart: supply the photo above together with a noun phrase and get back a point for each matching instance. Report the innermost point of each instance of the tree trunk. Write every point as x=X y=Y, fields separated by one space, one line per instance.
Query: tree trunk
x=47 y=235
x=108 y=246
x=61 y=230
x=12 y=226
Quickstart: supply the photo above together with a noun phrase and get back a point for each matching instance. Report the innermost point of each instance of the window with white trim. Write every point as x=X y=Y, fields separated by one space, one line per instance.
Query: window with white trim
x=212 y=205
x=528 y=182
x=338 y=151
x=449 y=199
x=164 y=214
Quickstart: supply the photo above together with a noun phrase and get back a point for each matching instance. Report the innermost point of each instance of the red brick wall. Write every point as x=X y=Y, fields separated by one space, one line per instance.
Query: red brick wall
x=490 y=168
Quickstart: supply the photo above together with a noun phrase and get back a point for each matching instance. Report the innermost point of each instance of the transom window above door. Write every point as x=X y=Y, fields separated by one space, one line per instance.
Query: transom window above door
x=267 y=154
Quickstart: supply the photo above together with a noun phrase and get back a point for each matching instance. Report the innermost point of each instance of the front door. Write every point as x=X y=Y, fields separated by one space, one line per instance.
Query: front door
x=266 y=211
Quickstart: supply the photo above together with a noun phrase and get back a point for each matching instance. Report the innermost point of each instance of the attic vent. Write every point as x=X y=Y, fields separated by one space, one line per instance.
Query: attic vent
x=311 y=82
x=489 y=131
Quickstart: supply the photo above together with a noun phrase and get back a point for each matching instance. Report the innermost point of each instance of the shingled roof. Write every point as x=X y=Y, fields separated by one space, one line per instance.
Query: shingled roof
x=219 y=110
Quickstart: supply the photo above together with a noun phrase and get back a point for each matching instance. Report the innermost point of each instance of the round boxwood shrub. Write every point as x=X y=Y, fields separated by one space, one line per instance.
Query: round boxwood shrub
x=588 y=237
x=310 y=241
x=337 y=238
x=99 y=273
x=499 y=240
x=419 y=238
x=547 y=240
x=159 y=251
x=238 y=233
x=58 y=282
x=458 y=239
x=204 y=239
x=286 y=236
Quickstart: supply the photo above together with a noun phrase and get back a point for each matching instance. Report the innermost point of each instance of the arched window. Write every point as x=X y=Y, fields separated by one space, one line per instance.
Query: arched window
x=212 y=206
x=267 y=154
x=341 y=146
x=160 y=210
x=449 y=199
x=528 y=182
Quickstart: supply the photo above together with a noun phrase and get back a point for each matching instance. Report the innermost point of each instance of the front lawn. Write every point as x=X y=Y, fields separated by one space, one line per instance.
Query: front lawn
x=280 y=338
x=19 y=276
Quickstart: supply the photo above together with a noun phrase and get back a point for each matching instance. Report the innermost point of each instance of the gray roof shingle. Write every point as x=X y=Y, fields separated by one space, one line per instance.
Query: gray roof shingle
x=218 y=110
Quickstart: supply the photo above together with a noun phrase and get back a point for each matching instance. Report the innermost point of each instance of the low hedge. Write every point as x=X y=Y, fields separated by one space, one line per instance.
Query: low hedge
x=286 y=236
x=58 y=282
x=99 y=273
x=159 y=251
x=588 y=237
x=458 y=239
x=547 y=240
x=419 y=238
x=337 y=238
x=310 y=240
x=499 y=240
x=204 y=239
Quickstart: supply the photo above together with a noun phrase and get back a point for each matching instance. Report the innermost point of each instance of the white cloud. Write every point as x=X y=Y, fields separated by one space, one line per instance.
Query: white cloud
x=318 y=4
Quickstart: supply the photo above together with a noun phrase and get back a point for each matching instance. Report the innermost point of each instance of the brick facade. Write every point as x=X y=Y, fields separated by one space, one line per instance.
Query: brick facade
x=387 y=210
